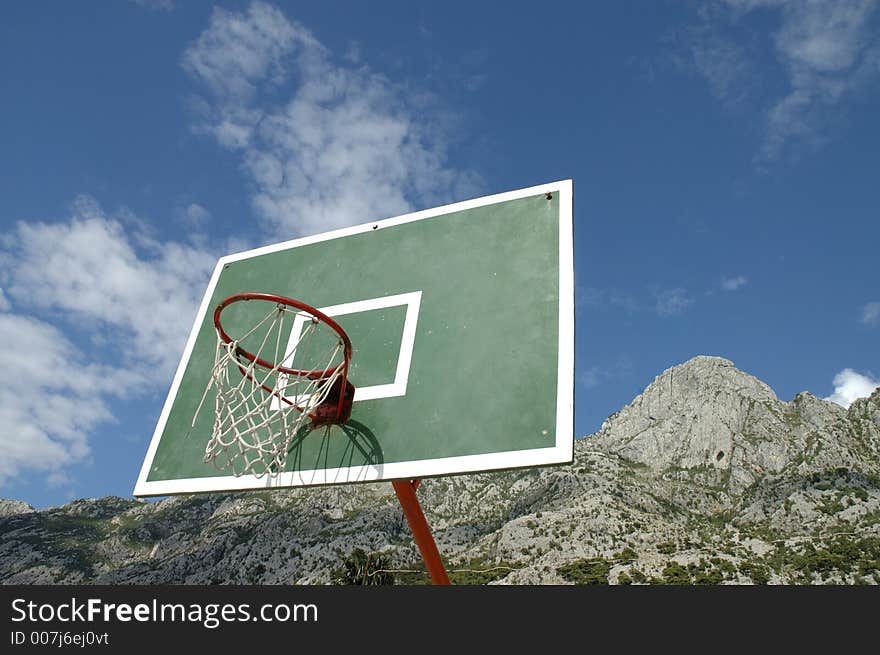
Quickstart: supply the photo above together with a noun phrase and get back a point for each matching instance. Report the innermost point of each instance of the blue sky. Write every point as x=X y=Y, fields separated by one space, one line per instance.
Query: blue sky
x=724 y=157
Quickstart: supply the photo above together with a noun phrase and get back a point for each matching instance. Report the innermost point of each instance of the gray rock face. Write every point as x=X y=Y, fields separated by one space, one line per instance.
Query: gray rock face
x=706 y=415
x=13 y=507
x=705 y=477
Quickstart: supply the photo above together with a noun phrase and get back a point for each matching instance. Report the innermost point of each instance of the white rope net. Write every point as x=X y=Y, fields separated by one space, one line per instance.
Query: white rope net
x=259 y=412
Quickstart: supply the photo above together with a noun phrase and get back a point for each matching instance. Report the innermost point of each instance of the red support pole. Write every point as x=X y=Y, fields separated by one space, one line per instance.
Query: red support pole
x=406 y=494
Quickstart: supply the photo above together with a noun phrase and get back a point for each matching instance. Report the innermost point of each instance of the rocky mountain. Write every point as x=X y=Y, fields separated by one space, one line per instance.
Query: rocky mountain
x=706 y=477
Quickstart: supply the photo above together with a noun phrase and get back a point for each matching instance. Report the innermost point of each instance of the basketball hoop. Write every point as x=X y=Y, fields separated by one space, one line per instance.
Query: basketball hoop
x=262 y=406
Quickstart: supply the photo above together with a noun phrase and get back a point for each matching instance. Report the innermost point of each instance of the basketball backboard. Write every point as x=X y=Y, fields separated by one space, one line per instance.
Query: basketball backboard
x=462 y=325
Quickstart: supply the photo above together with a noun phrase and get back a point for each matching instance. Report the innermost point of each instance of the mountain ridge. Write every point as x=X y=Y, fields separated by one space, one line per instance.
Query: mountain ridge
x=706 y=476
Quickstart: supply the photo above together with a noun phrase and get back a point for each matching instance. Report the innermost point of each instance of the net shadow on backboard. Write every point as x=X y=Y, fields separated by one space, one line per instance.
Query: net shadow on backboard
x=315 y=450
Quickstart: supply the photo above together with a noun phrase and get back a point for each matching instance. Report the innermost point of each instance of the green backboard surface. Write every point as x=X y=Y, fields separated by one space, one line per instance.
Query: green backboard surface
x=462 y=321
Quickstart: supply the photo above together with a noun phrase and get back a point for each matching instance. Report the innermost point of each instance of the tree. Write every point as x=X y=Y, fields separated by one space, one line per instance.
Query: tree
x=361 y=568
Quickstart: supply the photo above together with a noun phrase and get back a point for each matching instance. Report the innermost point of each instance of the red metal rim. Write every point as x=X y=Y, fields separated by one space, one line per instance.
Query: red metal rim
x=289 y=302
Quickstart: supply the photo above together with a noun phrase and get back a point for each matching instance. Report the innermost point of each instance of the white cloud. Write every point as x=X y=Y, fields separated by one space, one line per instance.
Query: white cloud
x=672 y=302
x=195 y=215
x=590 y=377
x=4 y=301
x=733 y=283
x=850 y=385
x=594 y=376
x=59 y=478
x=823 y=36
x=871 y=313
x=89 y=268
x=344 y=146
x=239 y=51
x=602 y=298
x=50 y=397
x=719 y=59
x=820 y=45
x=134 y=298
x=827 y=50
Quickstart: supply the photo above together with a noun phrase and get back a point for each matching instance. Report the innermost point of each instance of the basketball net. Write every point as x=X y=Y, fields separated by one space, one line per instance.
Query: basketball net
x=259 y=410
